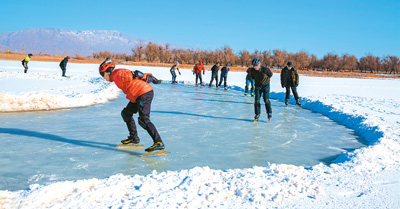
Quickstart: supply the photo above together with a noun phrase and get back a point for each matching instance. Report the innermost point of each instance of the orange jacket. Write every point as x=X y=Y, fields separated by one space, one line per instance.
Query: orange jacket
x=198 y=67
x=132 y=87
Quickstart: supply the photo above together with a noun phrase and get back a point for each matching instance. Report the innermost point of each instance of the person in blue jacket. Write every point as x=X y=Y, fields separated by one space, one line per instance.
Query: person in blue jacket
x=172 y=70
x=224 y=75
x=63 y=66
x=249 y=80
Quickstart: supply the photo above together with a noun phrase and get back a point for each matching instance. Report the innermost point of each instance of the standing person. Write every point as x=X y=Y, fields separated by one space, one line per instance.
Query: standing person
x=224 y=75
x=290 y=80
x=214 y=74
x=172 y=70
x=140 y=95
x=63 y=66
x=261 y=76
x=25 y=62
x=249 y=80
x=197 y=70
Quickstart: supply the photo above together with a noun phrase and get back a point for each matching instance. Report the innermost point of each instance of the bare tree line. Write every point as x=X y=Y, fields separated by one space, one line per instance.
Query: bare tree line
x=153 y=53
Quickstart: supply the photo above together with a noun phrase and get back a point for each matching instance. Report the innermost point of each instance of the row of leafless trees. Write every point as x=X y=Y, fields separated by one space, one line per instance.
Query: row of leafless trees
x=153 y=53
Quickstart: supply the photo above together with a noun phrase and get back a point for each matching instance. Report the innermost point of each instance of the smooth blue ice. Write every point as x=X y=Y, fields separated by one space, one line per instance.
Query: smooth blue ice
x=201 y=126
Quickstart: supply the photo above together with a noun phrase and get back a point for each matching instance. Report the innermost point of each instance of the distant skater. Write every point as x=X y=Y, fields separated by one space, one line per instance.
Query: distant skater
x=25 y=62
x=249 y=80
x=140 y=95
x=224 y=75
x=290 y=80
x=63 y=65
x=214 y=74
x=172 y=70
x=262 y=76
x=197 y=71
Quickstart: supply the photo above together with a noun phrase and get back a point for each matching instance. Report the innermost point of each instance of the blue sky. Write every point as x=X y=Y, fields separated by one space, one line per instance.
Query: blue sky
x=358 y=27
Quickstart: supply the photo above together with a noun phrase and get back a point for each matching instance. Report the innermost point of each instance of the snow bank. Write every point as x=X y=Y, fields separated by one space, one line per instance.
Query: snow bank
x=42 y=91
x=364 y=178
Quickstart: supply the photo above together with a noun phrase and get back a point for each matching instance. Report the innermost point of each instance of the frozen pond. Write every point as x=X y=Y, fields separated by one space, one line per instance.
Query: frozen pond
x=200 y=126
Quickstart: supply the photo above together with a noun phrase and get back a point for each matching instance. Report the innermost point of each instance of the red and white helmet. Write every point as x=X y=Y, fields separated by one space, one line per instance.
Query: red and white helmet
x=107 y=66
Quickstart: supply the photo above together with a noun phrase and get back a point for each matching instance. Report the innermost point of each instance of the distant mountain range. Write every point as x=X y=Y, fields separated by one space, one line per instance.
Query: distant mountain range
x=69 y=42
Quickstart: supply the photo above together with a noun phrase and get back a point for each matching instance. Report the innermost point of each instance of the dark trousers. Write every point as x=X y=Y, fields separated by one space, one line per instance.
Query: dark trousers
x=294 y=90
x=63 y=70
x=223 y=78
x=214 y=76
x=262 y=91
x=198 y=76
x=142 y=105
x=25 y=67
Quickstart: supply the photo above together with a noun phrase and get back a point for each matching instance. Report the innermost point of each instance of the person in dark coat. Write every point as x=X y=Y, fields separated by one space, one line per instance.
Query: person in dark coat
x=214 y=74
x=262 y=76
x=63 y=65
x=290 y=80
x=224 y=75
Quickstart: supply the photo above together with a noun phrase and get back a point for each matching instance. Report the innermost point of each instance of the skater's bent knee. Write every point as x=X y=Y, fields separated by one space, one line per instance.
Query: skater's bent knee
x=125 y=115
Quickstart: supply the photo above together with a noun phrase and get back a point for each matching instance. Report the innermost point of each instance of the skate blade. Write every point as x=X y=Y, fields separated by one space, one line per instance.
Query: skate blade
x=130 y=146
x=154 y=153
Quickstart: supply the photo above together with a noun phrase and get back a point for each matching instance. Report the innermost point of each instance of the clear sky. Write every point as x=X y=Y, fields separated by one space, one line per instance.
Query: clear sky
x=358 y=27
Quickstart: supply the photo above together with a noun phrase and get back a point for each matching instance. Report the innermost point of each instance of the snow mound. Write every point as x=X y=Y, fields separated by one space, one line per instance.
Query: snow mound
x=50 y=91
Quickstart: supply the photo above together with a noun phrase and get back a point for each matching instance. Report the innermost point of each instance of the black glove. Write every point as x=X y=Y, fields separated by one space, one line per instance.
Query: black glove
x=137 y=74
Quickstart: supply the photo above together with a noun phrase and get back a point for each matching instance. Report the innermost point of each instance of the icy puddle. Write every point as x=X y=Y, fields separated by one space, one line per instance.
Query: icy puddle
x=200 y=126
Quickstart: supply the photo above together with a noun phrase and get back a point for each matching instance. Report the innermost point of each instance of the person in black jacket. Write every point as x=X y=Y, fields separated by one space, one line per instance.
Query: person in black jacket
x=261 y=76
x=63 y=65
x=290 y=80
x=214 y=74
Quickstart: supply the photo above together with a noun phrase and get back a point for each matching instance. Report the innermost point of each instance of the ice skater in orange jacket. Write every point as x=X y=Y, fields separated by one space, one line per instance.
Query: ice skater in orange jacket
x=197 y=70
x=140 y=95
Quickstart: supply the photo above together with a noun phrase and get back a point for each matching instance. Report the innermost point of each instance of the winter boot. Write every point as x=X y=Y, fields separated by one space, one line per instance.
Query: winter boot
x=256 y=117
x=245 y=93
x=269 y=116
x=155 y=146
x=131 y=139
x=202 y=84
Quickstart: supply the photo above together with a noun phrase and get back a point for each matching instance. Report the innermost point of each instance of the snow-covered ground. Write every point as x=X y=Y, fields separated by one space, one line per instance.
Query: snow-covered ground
x=364 y=178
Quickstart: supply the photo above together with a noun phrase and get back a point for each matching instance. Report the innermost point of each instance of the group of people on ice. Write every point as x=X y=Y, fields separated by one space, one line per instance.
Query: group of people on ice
x=135 y=85
x=199 y=69
x=63 y=64
x=257 y=81
x=139 y=92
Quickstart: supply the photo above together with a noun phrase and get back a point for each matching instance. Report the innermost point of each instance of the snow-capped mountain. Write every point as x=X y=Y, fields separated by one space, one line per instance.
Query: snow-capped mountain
x=69 y=42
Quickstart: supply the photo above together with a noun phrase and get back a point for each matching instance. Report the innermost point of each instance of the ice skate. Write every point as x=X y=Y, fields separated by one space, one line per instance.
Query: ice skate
x=155 y=146
x=130 y=142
